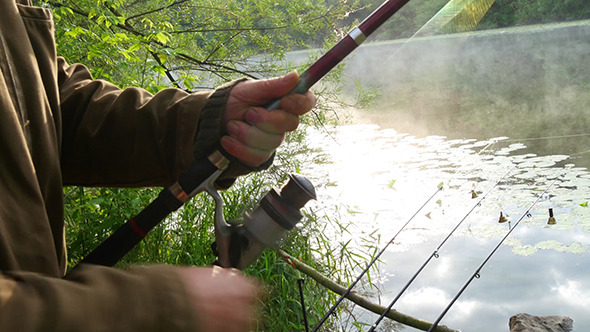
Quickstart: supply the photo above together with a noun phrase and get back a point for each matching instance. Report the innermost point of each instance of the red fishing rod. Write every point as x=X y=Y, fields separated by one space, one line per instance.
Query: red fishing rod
x=280 y=211
x=344 y=47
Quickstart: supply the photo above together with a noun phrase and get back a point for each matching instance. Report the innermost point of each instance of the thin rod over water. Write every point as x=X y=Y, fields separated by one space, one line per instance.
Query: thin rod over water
x=434 y=254
x=477 y=271
x=348 y=290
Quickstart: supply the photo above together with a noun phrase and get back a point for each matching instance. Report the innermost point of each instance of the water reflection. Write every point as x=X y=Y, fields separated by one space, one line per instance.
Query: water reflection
x=383 y=177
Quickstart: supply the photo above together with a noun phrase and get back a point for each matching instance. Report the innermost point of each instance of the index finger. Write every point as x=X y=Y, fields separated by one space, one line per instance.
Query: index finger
x=298 y=104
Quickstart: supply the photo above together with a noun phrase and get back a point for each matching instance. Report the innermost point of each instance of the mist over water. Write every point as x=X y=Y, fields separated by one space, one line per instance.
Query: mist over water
x=464 y=110
x=525 y=82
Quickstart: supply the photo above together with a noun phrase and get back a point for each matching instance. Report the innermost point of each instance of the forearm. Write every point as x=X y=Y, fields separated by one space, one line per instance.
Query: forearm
x=96 y=298
x=124 y=137
x=128 y=137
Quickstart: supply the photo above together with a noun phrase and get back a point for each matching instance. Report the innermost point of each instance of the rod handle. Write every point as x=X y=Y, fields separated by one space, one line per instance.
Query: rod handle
x=116 y=246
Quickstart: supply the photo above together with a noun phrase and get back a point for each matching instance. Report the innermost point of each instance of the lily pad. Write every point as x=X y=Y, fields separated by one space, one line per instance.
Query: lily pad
x=551 y=244
x=525 y=250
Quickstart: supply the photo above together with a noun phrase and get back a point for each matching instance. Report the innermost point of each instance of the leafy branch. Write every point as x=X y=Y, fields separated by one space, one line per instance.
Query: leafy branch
x=151 y=40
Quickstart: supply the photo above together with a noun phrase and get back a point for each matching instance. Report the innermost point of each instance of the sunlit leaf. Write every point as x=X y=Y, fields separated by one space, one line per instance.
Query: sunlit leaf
x=391 y=184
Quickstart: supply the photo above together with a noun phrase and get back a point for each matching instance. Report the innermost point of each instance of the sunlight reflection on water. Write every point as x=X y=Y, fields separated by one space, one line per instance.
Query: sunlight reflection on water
x=382 y=177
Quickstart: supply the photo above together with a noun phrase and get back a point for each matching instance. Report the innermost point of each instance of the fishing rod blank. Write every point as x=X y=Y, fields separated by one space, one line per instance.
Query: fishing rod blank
x=434 y=254
x=349 y=289
x=300 y=286
x=477 y=271
x=344 y=47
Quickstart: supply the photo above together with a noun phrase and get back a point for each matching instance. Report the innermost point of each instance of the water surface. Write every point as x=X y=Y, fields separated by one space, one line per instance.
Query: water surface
x=383 y=177
x=505 y=108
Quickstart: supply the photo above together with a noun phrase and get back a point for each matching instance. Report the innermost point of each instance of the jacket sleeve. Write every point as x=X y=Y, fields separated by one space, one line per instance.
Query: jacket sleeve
x=95 y=298
x=126 y=137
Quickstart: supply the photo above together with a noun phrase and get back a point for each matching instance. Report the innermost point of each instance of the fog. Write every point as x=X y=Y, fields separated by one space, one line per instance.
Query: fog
x=523 y=82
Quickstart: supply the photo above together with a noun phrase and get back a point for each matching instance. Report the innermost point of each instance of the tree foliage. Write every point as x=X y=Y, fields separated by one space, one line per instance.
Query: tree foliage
x=188 y=43
x=503 y=13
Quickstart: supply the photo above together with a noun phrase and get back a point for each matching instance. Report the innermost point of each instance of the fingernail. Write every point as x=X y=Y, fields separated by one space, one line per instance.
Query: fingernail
x=289 y=76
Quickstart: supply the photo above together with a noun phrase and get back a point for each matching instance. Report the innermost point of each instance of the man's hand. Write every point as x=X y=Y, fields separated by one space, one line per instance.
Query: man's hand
x=224 y=299
x=254 y=132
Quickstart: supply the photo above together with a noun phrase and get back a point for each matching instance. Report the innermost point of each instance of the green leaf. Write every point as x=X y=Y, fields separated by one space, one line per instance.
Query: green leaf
x=162 y=37
x=100 y=19
x=67 y=10
x=134 y=47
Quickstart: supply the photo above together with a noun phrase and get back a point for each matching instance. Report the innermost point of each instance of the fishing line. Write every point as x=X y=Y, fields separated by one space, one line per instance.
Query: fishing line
x=476 y=274
x=543 y=138
x=435 y=252
x=578 y=153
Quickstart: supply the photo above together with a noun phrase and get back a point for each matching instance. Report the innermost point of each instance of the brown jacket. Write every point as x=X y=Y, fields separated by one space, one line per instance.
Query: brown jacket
x=59 y=126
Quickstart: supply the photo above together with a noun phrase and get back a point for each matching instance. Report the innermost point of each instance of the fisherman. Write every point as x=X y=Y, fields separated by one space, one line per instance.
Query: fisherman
x=59 y=126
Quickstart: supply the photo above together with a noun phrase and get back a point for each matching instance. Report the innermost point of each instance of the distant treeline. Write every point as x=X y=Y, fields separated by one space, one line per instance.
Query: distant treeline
x=503 y=13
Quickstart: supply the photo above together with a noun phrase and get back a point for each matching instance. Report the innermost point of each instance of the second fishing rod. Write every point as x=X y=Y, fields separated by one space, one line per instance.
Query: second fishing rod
x=372 y=262
x=477 y=272
x=435 y=253
x=378 y=255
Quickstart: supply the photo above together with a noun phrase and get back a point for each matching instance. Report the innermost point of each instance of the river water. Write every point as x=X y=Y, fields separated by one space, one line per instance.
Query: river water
x=522 y=147
x=381 y=178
